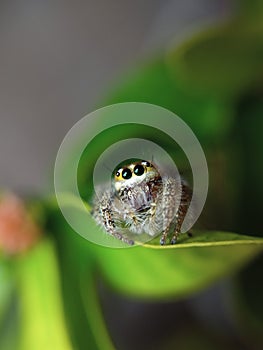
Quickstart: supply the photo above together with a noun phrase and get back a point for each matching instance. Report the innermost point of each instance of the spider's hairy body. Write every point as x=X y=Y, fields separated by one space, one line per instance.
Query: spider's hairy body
x=142 y=201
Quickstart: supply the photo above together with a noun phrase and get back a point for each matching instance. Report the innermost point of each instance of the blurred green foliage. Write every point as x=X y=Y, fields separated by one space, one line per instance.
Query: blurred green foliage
x=213 y=81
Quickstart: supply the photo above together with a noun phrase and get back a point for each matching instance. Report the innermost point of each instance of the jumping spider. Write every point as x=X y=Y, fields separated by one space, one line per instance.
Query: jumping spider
x=142 y=201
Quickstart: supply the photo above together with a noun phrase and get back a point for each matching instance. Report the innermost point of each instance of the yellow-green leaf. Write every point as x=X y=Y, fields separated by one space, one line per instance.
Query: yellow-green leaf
x=41 y=312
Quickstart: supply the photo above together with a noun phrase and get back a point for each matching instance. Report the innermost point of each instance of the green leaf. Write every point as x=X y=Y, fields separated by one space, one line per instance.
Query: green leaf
x=154 y=271
x=251 y=9
x=156 y=82
x=94 y=313
x=83 y=312
x=8 y=338
x=42 y=324
x=8 y=314
x=6 y=286
x=224 y=60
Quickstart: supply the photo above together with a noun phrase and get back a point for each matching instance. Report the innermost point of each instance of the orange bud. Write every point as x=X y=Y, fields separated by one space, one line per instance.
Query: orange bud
x=18 y=231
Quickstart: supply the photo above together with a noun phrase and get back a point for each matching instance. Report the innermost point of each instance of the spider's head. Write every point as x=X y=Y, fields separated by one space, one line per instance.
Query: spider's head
x=134 y=173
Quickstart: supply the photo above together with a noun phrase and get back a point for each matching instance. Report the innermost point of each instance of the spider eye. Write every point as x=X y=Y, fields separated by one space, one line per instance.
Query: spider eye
x=147 y=164
x=126 y=174
x=117 y=174
x=138 y=170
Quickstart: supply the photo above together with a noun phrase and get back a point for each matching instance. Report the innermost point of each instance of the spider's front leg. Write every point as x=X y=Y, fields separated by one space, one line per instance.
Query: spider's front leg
x=104 y=215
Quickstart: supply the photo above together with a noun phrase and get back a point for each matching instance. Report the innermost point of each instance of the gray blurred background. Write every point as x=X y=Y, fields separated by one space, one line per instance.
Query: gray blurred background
x=59 y=58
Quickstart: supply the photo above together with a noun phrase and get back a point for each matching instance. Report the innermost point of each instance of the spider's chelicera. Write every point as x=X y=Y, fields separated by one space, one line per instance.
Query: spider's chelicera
x=141 y=201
